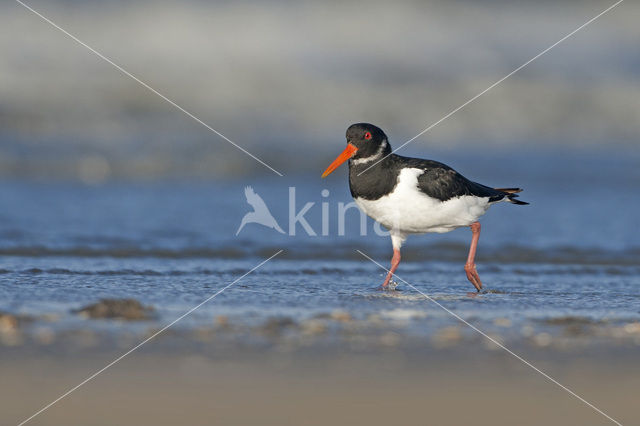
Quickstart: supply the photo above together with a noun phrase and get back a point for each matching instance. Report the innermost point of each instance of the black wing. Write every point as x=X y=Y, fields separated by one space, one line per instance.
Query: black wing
x=443 y=183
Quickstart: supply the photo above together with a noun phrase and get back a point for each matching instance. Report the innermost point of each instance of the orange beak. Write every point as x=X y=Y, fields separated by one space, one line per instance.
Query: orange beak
x=348 y=152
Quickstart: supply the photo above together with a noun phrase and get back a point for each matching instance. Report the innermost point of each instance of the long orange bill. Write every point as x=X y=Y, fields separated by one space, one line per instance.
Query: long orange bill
x=348 y=152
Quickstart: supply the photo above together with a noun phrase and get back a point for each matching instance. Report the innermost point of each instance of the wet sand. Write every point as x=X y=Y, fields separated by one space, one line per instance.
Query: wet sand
x=466 y=384
x=331 y=368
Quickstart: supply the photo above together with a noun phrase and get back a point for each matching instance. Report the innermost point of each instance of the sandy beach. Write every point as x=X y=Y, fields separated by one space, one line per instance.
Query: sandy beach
x=464 y=385
x=329 y=369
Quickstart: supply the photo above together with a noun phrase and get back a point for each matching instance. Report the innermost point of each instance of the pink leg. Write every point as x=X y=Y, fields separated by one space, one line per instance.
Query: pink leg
x=470 y=266
x=395 y=261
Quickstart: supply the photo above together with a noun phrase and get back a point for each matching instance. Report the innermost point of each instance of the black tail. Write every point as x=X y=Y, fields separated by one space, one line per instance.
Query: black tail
x=509 y=190
x=512 y=194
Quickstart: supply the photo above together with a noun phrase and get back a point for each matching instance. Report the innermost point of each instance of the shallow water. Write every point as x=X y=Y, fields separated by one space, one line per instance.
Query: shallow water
x=572 y=253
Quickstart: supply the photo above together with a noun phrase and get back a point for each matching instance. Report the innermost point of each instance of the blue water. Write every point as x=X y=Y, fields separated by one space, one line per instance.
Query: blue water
x=574 y=252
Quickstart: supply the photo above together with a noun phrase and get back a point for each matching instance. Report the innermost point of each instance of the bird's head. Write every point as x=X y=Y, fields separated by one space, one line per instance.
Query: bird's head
x=365 y=142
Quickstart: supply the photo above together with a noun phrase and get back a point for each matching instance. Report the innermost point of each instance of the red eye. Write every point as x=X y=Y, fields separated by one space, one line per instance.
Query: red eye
x=367 y=135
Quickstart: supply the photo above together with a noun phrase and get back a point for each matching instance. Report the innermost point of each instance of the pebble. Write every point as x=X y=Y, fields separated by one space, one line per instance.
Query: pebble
x=340 y=316
x=404 y=314
x=632 y=328
x=12 y=322
x=125 y=309
x=8 y=323
x=222 y=321
x=447 y=336
x=313 y=327
x=542 y=339
x=502 y=322
x=275 y=326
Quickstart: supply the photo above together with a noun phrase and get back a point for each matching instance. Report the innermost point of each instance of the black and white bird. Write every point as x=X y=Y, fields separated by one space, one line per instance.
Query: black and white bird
x=412 y=195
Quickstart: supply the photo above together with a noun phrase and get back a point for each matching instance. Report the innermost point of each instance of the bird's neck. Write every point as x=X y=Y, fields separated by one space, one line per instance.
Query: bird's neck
x=372 y=179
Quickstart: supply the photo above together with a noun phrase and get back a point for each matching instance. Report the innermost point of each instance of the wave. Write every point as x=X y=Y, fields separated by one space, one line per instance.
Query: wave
x=446 y=252
x=144 y=272
x=533 y=270
x=175 y=273
x=122 y=252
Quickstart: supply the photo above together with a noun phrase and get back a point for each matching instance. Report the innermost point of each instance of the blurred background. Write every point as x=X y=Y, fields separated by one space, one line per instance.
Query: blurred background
x=91 y=160
x=284 y=80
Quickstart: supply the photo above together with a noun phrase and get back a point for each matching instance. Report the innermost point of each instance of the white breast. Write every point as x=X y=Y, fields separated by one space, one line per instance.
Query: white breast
x=410 y=211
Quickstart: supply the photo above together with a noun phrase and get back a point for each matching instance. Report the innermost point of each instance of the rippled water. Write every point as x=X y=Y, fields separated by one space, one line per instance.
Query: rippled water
x=572 y=253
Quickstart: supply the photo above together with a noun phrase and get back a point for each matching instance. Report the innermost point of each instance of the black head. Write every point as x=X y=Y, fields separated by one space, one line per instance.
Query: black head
x=367 y=138
x=365 y=142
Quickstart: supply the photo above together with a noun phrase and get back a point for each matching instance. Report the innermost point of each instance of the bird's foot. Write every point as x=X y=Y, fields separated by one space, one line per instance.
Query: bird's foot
x=472 y=276
x=391 y=286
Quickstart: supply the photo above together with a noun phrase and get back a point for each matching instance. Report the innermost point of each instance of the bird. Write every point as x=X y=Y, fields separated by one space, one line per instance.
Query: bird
x=260 y=213
x=414 y=196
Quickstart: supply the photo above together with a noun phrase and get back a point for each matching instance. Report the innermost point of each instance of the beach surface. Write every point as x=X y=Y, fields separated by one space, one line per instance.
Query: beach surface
x=468 y=384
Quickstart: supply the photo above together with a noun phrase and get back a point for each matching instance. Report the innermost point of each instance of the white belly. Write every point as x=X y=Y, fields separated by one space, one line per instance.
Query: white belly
x=410 y=211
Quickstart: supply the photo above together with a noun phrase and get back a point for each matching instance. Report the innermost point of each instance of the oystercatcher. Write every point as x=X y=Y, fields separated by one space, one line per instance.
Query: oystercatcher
x=412 y=195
